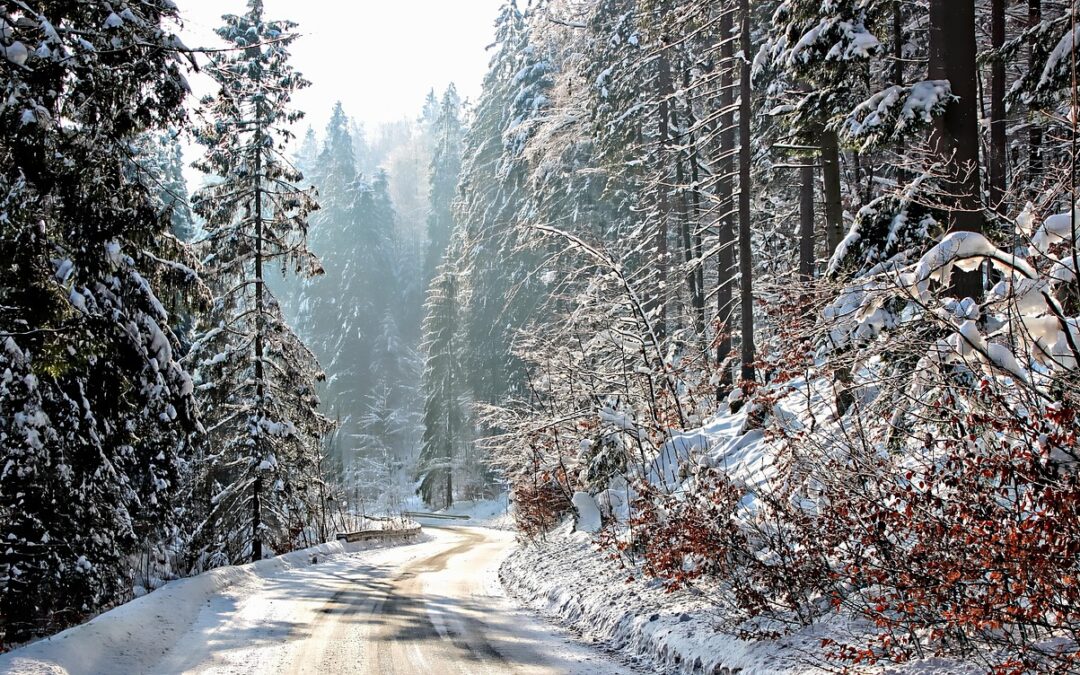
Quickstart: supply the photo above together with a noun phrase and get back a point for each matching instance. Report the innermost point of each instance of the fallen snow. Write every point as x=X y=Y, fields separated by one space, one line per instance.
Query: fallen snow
x=138 y=636
x=565 y=578
x=588 y=513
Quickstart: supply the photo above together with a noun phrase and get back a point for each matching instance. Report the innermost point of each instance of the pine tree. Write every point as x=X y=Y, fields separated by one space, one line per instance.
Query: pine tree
x=443 y=179
x=307 y=156
x=262 y=459
x=336 y=166
x=160 y=165
x=820 y=48
x=444 y=421
x=96 y=413
x=497 y=264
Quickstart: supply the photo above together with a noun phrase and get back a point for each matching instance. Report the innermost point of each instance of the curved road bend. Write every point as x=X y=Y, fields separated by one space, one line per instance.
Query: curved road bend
x=433 y=608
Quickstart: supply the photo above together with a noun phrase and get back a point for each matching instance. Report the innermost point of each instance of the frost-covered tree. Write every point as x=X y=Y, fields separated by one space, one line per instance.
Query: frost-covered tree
x=444 y=379
x=497 y=263
x=261 y=461
x=160 y=161
x=96 y=413
x=307 y=156
x=820 y=49
x=447 y=131
x=337 y=160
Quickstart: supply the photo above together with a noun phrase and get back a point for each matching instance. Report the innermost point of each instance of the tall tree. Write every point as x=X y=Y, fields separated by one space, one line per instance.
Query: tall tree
x=956 y=135
x=725 y=195
x=262 y=456
x=444 y=421
x=96 y=413
x=443 y=179
x=746 y=265
x=998 y=140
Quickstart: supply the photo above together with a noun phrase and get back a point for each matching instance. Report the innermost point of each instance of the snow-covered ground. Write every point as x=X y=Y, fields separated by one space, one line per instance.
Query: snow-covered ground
x=435 y=606
x=493 y=513
x=565 y=578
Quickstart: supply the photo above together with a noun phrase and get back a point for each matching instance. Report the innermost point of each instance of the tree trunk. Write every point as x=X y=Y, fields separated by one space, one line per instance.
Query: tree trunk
x=998 y=149
x=451 y=401
x=691 y=213
x=746 y=268
x=834 y=206
x=898 y=43
x=725 y=196
x=806 y=222
x=260 y=376
x=663 y=201
x=256 y=520
x=898 y=72
x=1035 y=132
x=955 y=139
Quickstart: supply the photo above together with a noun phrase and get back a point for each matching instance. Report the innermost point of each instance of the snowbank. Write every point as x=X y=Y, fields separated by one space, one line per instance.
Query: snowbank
x=497 y=514
x=139 y=631
x=566 y=579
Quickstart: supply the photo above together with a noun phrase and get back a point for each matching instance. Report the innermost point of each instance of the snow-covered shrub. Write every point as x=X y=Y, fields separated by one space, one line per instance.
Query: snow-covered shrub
x=950 y=493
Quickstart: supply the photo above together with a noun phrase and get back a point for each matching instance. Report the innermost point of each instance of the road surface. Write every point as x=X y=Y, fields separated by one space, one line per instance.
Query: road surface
x=434 y=607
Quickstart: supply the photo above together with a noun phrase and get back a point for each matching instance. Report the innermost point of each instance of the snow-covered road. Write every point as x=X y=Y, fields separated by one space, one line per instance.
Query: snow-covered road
x=434 y=607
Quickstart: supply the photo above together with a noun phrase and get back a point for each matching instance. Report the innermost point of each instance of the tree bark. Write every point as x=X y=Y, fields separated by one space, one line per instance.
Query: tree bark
x=1035 y=132
x=725 y=195
x=830 y=174
x=898 y=73
x=955 y=139
x=260 y=376
x=806 y=222
x=256 y=520
x=998 y=141
x=663 y=201
x=746 y=269
x=691 y=214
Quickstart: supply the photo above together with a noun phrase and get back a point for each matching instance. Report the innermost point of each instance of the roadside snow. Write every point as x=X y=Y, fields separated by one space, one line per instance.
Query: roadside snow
x=588 y=514
x=497 y=514
x=565 y=578
x=136 y=636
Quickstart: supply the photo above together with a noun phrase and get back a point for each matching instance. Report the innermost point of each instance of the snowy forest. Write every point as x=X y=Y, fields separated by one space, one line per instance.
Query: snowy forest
x=774 y=300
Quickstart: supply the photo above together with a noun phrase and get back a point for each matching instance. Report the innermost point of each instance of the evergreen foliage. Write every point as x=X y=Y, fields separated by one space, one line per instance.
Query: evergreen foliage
x=96 y=412
x=258 y=474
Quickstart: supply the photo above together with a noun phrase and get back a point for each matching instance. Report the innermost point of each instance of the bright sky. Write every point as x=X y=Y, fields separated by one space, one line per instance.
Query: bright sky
x=378 y=57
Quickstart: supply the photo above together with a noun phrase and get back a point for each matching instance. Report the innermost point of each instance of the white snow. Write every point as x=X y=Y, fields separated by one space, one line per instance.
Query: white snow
x=16 y=53
x=588 y=513
x=435 y=606
x=175 y=624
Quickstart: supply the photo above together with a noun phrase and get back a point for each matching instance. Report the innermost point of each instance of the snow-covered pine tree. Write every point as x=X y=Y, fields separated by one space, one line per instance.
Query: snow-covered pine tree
x=261 y=459
x=819 y=50
x=337 y=167
x=447 y=130
x=496 y=263
x=95 y=410
x=429 y=117
x=159 y=158
x=307 y=156
x=444 y=379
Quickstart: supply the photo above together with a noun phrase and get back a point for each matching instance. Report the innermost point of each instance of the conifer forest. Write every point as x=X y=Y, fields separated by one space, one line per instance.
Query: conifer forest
x=685 y=336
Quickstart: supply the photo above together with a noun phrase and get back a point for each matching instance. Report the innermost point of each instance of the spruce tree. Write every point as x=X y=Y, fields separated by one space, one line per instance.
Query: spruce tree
x=261 y=461
x=444 y=421
x=442 y=182
x=96 y=413
x=494 y=200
